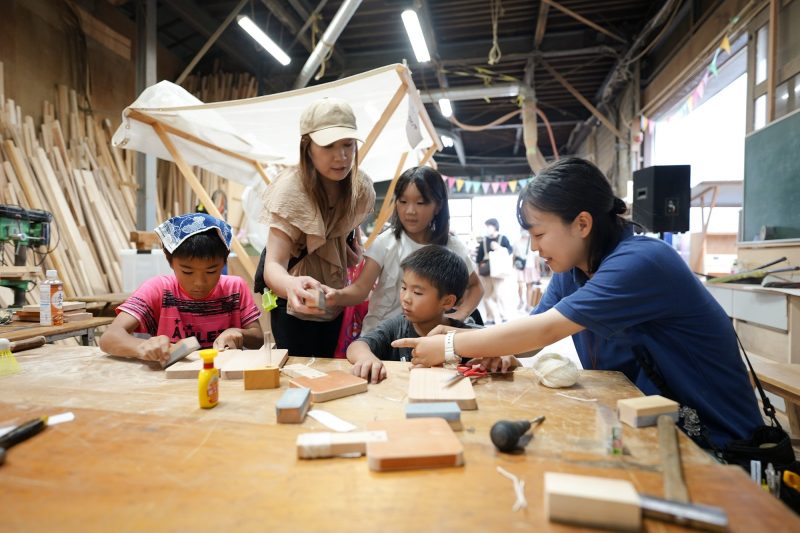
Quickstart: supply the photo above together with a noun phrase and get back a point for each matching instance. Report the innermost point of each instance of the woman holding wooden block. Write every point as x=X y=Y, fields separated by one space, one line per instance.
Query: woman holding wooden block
x=310 y=210
x=630 y=303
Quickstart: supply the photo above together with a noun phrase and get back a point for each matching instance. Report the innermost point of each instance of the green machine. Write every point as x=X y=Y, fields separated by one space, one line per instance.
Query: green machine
x=24 y=228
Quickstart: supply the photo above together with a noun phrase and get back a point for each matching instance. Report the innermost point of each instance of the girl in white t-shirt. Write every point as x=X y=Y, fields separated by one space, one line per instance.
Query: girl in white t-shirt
x=421 y=217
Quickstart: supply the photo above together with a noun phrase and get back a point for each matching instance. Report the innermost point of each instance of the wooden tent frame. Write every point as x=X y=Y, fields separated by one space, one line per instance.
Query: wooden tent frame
x=163 y=131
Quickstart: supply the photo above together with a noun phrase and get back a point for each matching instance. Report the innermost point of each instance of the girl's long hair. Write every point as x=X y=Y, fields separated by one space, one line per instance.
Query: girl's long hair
x=431 y=186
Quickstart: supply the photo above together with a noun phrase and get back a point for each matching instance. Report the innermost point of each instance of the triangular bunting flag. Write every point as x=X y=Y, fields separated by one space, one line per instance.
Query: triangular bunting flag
x=485 y=187
x=495 y=186
x=451 y=182
x=726 y=44
x=512 y=185
x=713 y=67
x=504 y=186
x=459 y=184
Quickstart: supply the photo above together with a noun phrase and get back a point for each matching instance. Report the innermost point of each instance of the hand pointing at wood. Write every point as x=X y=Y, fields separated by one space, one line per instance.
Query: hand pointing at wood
x=425 y=351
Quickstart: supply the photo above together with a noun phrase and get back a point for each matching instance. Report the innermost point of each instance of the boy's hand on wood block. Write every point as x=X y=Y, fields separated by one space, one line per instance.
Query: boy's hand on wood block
x=373 y=370
x=155 y=349
x=229 y=339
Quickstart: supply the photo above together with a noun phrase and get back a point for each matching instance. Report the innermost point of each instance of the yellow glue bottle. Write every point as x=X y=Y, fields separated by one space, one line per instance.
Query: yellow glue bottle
x=208 y=380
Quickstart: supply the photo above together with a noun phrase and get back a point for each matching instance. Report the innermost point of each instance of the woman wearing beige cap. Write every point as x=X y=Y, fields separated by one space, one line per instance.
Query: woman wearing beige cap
x=312 y=210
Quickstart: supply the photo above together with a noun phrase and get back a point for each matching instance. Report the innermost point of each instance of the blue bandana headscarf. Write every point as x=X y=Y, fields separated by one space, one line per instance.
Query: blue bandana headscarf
x=177 y=229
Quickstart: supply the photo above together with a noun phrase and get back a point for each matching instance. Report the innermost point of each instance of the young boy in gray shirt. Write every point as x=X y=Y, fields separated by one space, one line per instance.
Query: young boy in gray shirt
x=434 y=280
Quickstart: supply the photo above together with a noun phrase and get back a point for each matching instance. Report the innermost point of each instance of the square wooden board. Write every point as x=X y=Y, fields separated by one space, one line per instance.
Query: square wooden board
x=429 y=385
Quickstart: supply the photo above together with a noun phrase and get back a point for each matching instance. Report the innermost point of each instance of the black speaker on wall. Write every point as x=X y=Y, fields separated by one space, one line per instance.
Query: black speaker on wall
x=661 y=198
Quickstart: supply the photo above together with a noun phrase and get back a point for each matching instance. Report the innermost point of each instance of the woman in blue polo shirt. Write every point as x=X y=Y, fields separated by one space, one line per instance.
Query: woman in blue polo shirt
x=630 y=303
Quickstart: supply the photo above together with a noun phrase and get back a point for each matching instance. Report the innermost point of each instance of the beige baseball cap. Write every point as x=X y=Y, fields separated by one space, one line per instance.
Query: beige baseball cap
x=329 y=120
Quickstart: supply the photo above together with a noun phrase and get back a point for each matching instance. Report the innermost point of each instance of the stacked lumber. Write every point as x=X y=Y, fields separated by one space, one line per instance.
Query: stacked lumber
x=73 y=311
x=222 y=86
x=66 y=166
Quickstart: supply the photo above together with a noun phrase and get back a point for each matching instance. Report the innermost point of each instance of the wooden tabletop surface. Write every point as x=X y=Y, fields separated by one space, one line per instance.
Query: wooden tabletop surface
x=141 y=454
x=17 y=331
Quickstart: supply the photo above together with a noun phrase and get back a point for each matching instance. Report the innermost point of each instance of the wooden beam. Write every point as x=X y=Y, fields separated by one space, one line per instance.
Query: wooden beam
x=772 y=58
x=694 y=55
x=201 y=193
x=584 y=20
x=211 y=40
x=388 y=202
x=541 y=24
x=150 y=120
x=588 y=105
x=384 y=118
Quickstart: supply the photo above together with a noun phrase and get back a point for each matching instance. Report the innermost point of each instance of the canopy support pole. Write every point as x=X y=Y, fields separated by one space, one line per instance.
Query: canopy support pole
x=201 y=193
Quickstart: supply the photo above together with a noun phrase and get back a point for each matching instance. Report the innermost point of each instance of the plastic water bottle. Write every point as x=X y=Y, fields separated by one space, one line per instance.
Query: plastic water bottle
x=51 y=300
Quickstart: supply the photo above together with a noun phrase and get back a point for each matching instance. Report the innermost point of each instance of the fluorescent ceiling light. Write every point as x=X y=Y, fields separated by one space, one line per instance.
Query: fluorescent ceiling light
x=263 y=39
x=447 y=141
x=445 y=107
x=414 y=31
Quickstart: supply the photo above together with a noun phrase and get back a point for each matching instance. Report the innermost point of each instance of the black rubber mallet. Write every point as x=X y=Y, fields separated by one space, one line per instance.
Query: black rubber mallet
x=506 y=434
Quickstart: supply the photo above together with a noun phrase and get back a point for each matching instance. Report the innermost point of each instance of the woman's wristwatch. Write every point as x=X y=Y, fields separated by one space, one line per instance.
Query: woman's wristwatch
x=450 y=356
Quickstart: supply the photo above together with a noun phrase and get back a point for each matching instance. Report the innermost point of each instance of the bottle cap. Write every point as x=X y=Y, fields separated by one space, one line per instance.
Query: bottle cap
x=208 y=355
x=51 y=274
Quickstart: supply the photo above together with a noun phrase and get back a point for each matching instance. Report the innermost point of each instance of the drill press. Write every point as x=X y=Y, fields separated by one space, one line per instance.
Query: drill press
x=25 y=228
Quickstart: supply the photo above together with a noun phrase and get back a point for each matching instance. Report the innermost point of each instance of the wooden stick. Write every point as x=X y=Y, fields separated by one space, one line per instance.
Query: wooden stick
x=384 y=118
x=201 y=193
x=674 y=486
x=388 y=202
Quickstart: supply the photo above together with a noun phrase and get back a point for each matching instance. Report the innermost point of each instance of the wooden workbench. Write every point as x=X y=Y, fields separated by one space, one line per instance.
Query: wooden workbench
x=142 y=455
x=17 y=331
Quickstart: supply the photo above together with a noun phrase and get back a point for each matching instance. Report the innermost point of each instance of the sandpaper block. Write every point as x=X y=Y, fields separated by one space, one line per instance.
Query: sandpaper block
x=181 y=349
x=328 y=444
x=333 y=385
x=645 y=410
x=592 y=501
x=262 y=378
x=449 y=411
x=292 y=407
x=414 y=443
x=430 y=385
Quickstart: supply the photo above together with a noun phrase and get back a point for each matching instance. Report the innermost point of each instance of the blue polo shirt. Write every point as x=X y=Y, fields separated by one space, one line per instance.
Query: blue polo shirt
x=644 y=295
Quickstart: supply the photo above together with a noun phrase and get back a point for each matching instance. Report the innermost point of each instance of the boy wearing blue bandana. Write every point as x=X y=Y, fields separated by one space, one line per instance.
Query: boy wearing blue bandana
x=195 y=301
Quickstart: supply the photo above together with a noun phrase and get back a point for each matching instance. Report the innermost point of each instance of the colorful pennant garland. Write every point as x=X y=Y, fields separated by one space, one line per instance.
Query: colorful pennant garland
x=465 y=186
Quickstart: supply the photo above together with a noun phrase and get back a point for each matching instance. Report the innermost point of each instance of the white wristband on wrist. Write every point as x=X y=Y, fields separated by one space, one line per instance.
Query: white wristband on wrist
x=449 y=349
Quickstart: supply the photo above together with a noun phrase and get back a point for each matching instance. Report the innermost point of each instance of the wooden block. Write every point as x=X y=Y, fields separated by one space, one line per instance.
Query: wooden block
x=76 y=317
x=328 y=444
x=181 y=349
x=592 y=501
x=317 y=299
x=20 y=272
x=191 y=365
x=297 y=370
x=333 y=385
x=276 y=356
x=262 y=378
x=414 y=443
x=429 y=385
x=449 y=411
x=145 y=240
x=292 y=407
x=67 y=307
x=645 y=410
x=237 y=361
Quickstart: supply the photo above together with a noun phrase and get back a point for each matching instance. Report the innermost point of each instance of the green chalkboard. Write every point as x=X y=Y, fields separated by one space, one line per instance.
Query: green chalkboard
x=772 y=180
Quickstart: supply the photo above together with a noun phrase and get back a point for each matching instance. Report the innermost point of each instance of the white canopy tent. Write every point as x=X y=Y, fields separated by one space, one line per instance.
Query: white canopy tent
x=236 y=139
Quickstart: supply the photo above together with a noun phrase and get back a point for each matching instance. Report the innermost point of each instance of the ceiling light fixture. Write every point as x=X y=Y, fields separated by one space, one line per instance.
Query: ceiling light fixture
x=447 y=141
x=414 y=31
x=445 y=108
x=263 y=39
